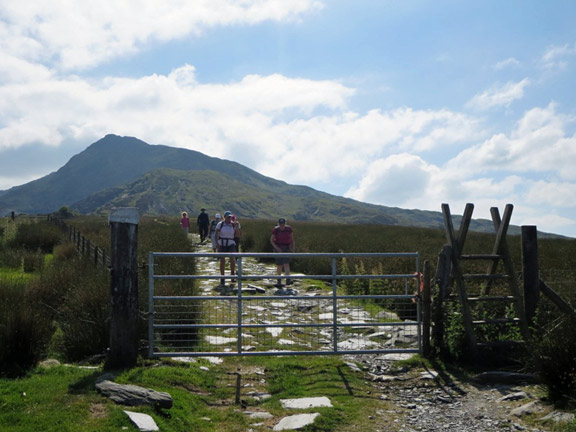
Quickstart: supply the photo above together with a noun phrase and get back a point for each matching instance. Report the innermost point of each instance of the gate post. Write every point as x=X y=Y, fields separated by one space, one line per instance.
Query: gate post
x=442 y=280
x=123 y=288
x=530 y=270
x=426 y=310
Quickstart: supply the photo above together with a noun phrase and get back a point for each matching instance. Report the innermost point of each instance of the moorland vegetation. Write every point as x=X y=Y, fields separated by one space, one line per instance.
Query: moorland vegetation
x=54 y=303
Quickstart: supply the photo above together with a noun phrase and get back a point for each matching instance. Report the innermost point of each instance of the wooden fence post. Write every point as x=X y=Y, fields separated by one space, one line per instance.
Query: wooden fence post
x=530 y=270
x=442 y=280
x=123 y=288
x=426 y=310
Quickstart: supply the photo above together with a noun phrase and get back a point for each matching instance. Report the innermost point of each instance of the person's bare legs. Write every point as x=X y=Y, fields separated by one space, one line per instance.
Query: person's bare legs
x=232 y=266
x=222 y=269
x=287 y=273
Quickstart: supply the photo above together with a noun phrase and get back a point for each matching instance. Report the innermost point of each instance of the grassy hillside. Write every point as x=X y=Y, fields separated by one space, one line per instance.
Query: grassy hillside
x=169 y=192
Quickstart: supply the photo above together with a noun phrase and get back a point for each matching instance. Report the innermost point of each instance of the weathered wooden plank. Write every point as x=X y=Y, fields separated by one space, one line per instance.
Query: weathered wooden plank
x=530 y=270
x=426 y=310
x=457 y=272
x=123 y=288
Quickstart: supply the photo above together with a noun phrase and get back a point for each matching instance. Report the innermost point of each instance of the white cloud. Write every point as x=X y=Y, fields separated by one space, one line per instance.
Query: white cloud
x=509 y=62
x=539 y=144
x=80 y=34
x=499 y=95
x=549 y=221
x=561 y=195
x=295 y=129
x=393 y=181
x=15 y=70
x=556 y=57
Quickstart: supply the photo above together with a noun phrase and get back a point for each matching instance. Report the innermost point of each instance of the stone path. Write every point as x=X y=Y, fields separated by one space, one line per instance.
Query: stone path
x=412 y=401
x=287 y=317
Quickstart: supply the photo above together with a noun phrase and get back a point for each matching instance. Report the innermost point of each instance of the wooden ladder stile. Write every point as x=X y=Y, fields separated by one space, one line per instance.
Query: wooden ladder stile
x=457 y=272
x=499 y=254
x=501 y=248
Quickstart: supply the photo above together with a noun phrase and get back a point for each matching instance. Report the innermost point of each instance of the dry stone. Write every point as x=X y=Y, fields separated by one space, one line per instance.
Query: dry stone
x=304 y=403
x=527 y=409
x=297 y=421
x=131 y=395
x=142 y=421
x=559 y=417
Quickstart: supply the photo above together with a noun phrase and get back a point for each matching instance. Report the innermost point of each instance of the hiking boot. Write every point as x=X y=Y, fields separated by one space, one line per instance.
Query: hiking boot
x=289 y=281
x=222 y=282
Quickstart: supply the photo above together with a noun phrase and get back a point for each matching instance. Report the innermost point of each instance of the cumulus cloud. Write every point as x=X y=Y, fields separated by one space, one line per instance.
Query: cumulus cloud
x=539 y=143
x=556 y=57
x=248 y=120
x=300 y=130
x=394 y=180
x=555 y=194
x=76 y=35
x=499 y=95
x=509 y=62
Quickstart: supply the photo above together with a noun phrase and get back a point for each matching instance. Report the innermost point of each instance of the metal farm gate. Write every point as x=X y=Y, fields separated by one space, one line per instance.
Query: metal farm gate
x=365 y=313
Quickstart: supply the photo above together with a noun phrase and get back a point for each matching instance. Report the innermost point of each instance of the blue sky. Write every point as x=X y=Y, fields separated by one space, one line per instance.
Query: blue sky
x=401 y=103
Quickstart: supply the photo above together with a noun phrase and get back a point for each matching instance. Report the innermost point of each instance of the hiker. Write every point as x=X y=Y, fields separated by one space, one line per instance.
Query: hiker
x=203 y=223
x=185 y=223
x=213 y=224
x=282 y=240
x=239 y=235
x=226 y=230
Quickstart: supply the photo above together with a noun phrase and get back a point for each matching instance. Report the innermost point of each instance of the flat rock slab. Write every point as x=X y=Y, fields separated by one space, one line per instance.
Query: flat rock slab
x=559 y=417
x=142 y=421
x=297 y=421
x=131 y=395
x=514 y=397
x=527 y=409
x=261 y=415
x=304 y=403
x=219 y=340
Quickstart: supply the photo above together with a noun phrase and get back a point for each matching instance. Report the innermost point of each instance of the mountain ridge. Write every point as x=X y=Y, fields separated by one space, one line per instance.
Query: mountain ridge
x=157 y=179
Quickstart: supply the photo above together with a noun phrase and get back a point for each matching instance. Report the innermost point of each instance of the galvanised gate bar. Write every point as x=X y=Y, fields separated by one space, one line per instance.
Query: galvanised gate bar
x=365 y=313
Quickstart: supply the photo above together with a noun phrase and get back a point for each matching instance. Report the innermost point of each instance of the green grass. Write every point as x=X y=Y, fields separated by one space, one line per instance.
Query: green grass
x=15 y=276
x=205 y=396
x=56 y=399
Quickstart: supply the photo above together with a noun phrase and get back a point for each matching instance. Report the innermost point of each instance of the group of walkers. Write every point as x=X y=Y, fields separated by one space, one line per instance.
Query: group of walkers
x=207 y=228
x=225 y=234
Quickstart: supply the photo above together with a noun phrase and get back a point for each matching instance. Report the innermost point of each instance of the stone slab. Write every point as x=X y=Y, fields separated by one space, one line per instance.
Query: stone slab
x=294 y=422
x=262 y=415
x=142 y=421
x=304 y=403
x=132 y=395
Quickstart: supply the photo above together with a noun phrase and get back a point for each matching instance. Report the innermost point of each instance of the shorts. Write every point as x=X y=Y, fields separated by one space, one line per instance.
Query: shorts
x=283 y=260
x=231 y=247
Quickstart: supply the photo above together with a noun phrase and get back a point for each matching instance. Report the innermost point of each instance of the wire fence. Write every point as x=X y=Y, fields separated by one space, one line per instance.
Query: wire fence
x=83 y=245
